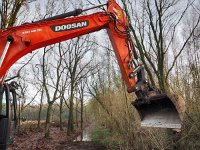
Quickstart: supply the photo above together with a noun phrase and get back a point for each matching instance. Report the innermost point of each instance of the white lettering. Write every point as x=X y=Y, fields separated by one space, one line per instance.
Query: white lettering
x=31 y=31
x=71 y=26
x=79 y=25
x=84 y=24
x=57 y=28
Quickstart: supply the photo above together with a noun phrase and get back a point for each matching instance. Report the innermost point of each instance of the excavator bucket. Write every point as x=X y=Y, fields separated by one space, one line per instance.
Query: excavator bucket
x=161 y=110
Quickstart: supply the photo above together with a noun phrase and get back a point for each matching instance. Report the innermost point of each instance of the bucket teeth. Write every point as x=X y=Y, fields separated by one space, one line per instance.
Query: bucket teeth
x=158 y=111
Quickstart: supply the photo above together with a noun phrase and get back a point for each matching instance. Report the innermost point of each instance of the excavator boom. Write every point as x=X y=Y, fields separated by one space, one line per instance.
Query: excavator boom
x=31 y=36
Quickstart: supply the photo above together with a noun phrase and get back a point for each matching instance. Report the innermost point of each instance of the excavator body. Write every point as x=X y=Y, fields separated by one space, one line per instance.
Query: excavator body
x=8 y=114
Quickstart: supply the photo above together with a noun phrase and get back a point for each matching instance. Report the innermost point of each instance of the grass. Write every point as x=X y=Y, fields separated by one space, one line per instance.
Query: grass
x=104 y=136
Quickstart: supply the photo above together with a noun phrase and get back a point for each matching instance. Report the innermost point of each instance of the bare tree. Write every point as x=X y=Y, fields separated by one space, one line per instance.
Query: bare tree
x=78 y=68
x=51 y=78
x=81 y=92
x=9 y=10
x=40 y=107
x=154 y=27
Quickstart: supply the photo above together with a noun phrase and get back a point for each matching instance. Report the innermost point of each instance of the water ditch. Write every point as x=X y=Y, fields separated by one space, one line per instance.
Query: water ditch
x=85 y=135
x=84 y=142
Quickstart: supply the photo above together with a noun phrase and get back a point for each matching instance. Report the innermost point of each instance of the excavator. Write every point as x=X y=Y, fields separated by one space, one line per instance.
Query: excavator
x=155 y=107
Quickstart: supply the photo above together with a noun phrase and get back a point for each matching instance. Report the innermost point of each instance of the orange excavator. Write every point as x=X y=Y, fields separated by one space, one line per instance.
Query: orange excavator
x=155 y=107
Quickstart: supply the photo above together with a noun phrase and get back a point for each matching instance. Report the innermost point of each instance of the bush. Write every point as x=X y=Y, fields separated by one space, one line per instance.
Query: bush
x=104 y=136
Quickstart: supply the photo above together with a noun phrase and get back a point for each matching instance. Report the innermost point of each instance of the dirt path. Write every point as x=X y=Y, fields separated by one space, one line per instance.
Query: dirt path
x=69 y=145
x=86 y=145
x=34 y=140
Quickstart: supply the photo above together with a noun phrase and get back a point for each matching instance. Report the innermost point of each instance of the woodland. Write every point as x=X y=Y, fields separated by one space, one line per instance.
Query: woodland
x=68 y=86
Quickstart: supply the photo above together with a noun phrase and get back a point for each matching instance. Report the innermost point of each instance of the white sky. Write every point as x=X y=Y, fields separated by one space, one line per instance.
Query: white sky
x=32 y=14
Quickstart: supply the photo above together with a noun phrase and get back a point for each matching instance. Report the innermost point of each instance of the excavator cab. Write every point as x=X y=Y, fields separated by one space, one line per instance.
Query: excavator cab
x=8 y=119
x=158 y=109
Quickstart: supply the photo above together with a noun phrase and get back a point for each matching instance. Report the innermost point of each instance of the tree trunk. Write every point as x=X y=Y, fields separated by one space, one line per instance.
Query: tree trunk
x=19 y=116
x=76 y=113
x=48 y=119
x=61 y=111
x=81 y=113
x=40 y=109
x=70 y=125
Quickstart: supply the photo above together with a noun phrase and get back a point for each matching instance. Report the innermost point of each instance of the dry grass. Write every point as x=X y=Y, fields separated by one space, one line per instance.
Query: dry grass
x=124 y=124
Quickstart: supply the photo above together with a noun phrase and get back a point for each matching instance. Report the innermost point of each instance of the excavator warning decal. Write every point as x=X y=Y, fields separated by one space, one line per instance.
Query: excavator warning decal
x=118 y=13
x=70 y=26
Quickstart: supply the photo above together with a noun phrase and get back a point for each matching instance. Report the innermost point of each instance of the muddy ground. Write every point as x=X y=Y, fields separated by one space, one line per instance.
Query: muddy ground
x=87 y=145
x=33 y=139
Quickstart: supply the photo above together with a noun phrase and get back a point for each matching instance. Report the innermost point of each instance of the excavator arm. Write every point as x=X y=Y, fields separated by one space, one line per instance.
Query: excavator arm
x=156 y=108
x=31 y=36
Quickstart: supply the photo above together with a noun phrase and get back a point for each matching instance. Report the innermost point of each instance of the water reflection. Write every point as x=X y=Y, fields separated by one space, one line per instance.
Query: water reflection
x=85 y=135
